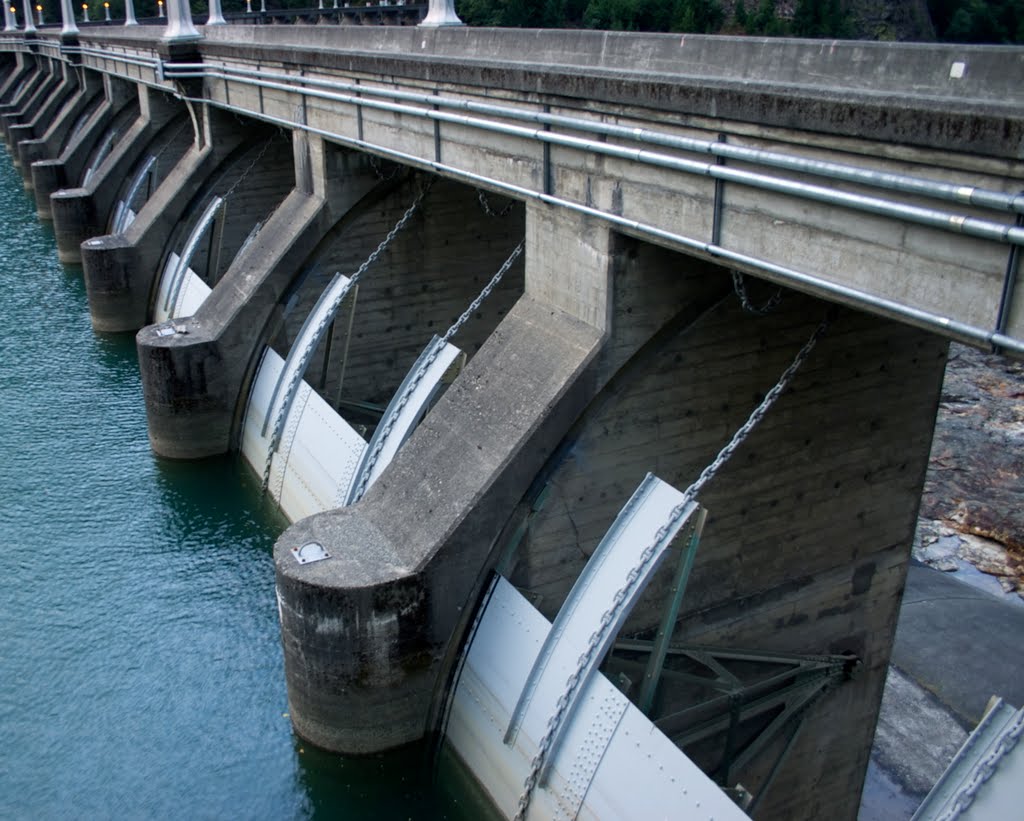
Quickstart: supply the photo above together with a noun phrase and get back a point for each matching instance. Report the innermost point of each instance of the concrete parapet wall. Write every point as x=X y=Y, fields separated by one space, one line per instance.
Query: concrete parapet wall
x=852 y=88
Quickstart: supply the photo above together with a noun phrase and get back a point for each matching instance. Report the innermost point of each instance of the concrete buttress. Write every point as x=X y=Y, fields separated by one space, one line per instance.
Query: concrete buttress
x=120 y=269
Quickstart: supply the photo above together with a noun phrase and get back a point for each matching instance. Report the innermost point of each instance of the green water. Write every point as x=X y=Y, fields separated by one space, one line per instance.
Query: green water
x=140 y=662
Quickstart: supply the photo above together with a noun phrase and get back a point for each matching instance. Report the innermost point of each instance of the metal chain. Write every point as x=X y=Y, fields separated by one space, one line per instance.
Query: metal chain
x=739 y=285
x=983 y=770
x=300 y=370
x=638 y=571
x=251 y=166
x=403 y=400
x=376 y=166
x=481 y=195
x=486 y=292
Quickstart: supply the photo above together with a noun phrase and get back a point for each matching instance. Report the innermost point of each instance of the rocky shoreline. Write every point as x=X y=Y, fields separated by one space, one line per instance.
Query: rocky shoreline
x=972 y=509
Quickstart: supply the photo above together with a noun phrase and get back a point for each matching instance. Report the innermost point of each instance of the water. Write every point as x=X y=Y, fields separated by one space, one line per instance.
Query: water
x=140 y=663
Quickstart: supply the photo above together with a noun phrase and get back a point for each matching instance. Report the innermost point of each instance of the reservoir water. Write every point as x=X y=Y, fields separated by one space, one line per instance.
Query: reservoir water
x=140 y=662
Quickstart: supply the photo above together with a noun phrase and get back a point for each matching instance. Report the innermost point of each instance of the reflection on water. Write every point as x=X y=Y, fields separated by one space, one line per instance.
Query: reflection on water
x=141 y=661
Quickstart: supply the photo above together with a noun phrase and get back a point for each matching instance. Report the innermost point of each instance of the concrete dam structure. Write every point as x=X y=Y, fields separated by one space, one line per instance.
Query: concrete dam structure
x=594 y=372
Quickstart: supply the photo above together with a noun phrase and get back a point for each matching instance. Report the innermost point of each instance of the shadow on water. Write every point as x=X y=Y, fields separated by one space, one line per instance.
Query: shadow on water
x=364 y=787
x=141 y=666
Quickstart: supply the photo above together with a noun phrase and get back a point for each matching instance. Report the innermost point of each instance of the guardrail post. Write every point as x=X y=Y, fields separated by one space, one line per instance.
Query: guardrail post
x=441 y=13
x=129 y=13
x=216 y=17
x=179 y=23
x=30 y=25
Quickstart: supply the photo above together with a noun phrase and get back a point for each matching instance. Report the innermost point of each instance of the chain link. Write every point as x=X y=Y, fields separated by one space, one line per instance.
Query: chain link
x=486 y=292
x=984 y=769
x=481 y=195
x=251 y=166
x=429 y=360
x=639 y=569
x=739 y=285
x=300 y=370
x=378 y=171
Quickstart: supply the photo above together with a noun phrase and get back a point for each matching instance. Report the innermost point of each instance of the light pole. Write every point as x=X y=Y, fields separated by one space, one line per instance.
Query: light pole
x=129 y=13
x=39 y=11
x=10 y=20
x=85 y=12
x=106 y=11
x=30 y=25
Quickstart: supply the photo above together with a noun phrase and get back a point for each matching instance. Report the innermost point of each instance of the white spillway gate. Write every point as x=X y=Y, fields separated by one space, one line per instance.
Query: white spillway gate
x=542 y=730
x=181 y=290
x=311 y=458
x=124 y=216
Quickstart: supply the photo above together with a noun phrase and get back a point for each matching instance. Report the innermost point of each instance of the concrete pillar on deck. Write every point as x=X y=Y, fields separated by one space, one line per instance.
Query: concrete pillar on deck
x=216 y=17
x=180 y=28
x=67 y=15
x=129 y=13
x=441 y=13
x=30 y=26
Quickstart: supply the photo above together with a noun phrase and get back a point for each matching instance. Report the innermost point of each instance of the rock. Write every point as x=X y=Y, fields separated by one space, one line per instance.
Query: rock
x=975 y=482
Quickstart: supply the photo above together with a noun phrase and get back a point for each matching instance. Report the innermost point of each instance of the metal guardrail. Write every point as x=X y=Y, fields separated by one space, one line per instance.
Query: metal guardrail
x=498 y=118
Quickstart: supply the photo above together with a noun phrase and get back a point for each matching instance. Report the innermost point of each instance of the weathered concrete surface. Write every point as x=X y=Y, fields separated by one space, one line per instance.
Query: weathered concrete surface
x=84 y=212
x=365 y=633
x=39 y=120
x=810 y=523
x=120 y=270
x=84 y=100
x=943 y=112
x=28 y=105
x=107 y=117
x=195 y=384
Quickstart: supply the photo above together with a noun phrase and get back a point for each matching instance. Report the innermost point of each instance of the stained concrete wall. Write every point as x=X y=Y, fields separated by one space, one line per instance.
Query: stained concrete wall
x=159 y=128
x=810 y=523
x=97 y=129
x=121 y=270
x=252 y=181
x=420 y=285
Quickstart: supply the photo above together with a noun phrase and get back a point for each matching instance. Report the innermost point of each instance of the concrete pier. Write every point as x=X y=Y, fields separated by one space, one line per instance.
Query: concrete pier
x=160 y=128
x=665 y=368
x=94 y=132
x=644 y=173
x=120 y=270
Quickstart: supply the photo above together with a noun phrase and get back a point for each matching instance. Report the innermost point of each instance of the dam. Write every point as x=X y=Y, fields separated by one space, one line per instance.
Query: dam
x=483 y=311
